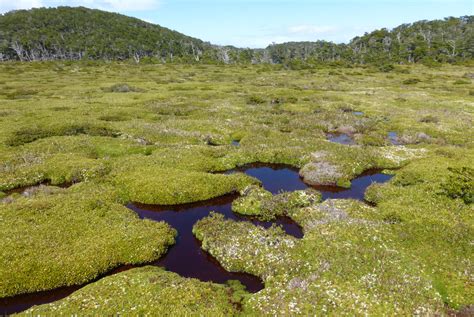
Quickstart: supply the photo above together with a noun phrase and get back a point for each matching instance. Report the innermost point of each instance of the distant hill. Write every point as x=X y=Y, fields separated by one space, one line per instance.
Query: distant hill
x=448 y=40
x=81 y=33
x=77 y=33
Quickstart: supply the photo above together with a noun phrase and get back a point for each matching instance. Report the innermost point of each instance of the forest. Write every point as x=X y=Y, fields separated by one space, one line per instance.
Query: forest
x=66 y=33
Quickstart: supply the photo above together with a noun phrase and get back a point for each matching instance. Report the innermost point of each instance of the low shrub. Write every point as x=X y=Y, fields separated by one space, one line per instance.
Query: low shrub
x=429 y=119
x=28 y=135
x=460 y=184
x=255 y=100
x=411 y=81
x=386 y=68
x=461 y=82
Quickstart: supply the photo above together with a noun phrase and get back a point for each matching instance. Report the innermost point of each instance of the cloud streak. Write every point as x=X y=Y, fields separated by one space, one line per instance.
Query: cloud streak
x=8 y=5
x=116 y=5
x=108 y=5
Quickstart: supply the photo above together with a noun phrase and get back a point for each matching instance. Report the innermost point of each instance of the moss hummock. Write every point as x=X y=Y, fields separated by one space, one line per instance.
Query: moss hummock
x=70 y=237
x=148 y=290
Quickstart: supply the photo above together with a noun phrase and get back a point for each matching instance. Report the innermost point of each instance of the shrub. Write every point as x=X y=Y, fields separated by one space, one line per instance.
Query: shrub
x=411 y=81
x=22 y=93
x=372 y=139
x=429 y=119
x=113 y=117
x=460 y=184
x=386 y=68
x=373 y=194
x=28 y=135
x=255 y=100
x=407 y=178
x=346 y=108
x=402 y=70
x=392 y=218
x=430 y=62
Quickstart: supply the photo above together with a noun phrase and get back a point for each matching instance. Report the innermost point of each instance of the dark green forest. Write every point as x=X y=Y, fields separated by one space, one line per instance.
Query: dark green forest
x=66 y=33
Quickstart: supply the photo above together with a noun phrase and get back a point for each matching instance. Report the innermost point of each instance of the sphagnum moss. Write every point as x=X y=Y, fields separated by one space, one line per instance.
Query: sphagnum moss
x=69 y=237
x=162 y=143
x=147 y=291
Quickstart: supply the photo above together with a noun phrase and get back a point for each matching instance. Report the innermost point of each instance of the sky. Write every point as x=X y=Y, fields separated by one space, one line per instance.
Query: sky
x=258 y=23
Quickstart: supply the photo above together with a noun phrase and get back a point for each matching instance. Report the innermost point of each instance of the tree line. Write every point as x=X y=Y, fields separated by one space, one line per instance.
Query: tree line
x=66 y=33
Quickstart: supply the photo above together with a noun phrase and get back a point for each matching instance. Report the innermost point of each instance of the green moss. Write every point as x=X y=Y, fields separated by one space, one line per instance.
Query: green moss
x=258 y=202
x=57 y=169
x=30 y=134
x=411 y=81
x=170 y=187
x=151 y=147
x=345 y=264
x=144 y=290
x=460 y=184
x=71 y=237
x=251 y=204
x=432 y=223
x=255 y=100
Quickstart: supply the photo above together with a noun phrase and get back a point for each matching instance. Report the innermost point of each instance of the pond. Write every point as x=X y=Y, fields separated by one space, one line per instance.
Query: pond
x=340 y=138
x=186 y=257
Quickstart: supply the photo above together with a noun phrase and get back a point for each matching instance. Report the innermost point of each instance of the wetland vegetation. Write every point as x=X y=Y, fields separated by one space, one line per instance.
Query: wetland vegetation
x=143 y=186
x=409 y=251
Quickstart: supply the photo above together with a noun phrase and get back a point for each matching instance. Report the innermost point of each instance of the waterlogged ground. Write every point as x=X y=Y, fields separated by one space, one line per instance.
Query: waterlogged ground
x=165 y=135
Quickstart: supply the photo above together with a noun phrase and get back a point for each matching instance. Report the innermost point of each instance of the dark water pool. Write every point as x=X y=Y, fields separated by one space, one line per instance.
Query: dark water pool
x=340 y=138
x=186 y=257
x=393 y=138
x=358 y=186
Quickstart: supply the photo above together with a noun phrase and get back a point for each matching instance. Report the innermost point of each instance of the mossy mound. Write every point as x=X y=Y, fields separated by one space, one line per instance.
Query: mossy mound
x=345 y=265
x=144 y=291
x=430 y=223
x=169 y=187
x=30 y=134
x=251 y=204
x=256 y=201
x=71 y=237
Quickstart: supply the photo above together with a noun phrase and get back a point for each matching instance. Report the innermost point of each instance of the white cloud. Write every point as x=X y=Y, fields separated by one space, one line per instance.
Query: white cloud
x=8 y=5
x=115 y=5
x=109 y=5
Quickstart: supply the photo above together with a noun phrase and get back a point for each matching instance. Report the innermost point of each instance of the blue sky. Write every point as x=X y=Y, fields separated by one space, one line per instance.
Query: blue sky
x=257 y=23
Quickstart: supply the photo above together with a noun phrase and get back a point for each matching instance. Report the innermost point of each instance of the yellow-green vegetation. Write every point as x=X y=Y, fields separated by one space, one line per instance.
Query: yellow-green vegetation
x=168 y=186
x=432 y=226
x=63 y=237
x=162 y=133
x=258 y=202
x=148 y=291
x=345 y=264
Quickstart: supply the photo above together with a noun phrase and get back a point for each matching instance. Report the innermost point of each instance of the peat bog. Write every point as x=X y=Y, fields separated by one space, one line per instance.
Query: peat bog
x=182 y=125
x=186 y=257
